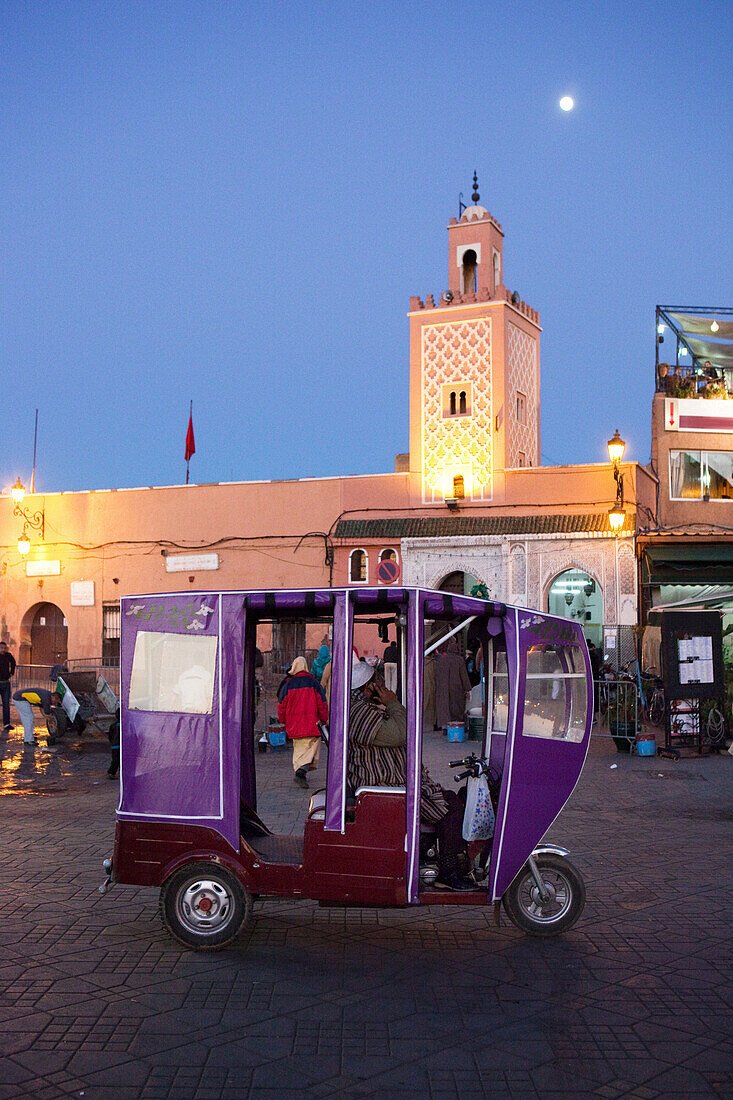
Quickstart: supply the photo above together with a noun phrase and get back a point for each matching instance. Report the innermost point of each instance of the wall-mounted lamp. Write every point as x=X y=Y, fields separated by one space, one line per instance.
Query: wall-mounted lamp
x=35 y=520
x=616 y=448
x=452 y=503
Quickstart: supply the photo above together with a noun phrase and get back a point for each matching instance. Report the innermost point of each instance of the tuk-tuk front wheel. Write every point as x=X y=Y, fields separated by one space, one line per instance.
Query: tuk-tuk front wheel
x=204 y=906
x=564 y=903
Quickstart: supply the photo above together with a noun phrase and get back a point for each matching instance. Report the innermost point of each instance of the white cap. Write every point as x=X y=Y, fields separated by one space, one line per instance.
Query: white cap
x=361 y=673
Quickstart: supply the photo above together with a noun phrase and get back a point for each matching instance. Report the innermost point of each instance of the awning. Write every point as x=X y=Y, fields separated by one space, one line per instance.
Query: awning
x=705 y=331
x=688 y=563
x=709 y=596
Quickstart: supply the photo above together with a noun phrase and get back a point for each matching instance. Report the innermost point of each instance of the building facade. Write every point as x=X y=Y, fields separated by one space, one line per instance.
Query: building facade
x=468 y=504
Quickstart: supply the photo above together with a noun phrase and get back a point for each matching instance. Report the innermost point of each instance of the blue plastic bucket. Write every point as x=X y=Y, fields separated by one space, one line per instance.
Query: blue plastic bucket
x=646 y=744
x=276 y=737
x=456 y=731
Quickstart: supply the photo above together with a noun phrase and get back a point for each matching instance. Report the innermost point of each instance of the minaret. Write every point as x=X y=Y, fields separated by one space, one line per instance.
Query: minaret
x=475 y=246
x=474 y=371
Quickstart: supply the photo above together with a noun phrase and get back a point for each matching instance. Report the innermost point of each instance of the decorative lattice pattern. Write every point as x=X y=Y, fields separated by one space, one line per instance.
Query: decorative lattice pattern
x=626 y=570
x=518 y=570
x=452 y=353
x=521 y=377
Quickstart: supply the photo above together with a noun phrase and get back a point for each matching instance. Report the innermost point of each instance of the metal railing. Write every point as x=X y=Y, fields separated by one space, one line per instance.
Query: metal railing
x=617 y=710
x=27 y=676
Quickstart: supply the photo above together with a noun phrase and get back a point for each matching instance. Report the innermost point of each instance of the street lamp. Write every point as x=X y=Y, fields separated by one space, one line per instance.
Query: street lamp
x=18 y=492
x=616 y=448
x=35 y=520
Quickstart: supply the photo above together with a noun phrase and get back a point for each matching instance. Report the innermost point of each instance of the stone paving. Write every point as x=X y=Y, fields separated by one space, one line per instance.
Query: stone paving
x=97 y=1001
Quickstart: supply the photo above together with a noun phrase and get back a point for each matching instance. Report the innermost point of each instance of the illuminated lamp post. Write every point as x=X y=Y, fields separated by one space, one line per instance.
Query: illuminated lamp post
x=616 y=448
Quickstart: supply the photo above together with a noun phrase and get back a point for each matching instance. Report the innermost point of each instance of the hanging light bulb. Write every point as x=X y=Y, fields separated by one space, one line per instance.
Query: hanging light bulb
x=715 y=326
x=24 y=544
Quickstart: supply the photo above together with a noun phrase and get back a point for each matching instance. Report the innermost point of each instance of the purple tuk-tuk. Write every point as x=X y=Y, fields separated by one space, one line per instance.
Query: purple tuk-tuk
x=187 y=819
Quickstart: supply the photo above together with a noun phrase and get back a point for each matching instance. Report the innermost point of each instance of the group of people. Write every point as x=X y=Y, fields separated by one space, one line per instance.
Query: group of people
x=377 y=744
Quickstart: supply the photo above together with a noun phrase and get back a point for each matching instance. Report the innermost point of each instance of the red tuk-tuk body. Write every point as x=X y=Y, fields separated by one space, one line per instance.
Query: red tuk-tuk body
x=187 y=819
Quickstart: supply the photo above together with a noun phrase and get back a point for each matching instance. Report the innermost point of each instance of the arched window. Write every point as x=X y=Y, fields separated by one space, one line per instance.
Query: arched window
x=497 y=269
x=459 y=489
x=521 y=408
x=462 y=403
x=388 y=555
x=470 y=271
x=574 y=594
x=357 y=566
x=453 y=403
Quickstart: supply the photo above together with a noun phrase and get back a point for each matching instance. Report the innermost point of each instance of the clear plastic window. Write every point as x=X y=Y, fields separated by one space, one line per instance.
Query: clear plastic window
x=556 y=695
x=173 y=673
x=500 y=707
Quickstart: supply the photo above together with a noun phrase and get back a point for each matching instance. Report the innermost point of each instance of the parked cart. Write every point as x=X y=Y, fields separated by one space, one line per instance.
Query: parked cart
x=87 y=701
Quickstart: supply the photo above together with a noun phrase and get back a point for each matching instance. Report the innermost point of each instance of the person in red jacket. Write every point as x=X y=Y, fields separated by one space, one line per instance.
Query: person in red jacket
x=301 y=707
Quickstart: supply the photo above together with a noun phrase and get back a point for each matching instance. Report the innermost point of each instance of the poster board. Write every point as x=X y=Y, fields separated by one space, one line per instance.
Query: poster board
x=692 y=648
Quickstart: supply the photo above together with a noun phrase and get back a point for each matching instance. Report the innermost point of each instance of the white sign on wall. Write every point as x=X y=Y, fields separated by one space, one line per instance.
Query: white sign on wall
x=42 y=568
x=190 y=563
x=82 y=593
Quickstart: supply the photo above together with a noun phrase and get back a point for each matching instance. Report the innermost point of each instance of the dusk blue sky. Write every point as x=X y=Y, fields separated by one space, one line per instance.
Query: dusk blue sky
x=233 y=202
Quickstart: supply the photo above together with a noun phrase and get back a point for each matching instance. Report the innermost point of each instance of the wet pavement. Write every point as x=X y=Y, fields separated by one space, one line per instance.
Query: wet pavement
x=97 y=1001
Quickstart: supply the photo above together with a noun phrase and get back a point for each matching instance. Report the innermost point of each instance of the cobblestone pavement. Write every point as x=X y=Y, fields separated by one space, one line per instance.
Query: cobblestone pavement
x=97 y=1001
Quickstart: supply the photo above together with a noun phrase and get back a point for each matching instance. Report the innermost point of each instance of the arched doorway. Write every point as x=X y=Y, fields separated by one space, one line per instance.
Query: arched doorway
x=45 y=635
x=458 y=582
x=575 y=595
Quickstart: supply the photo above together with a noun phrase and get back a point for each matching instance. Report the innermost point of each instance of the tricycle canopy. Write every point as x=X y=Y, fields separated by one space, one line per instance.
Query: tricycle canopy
x=187 y=691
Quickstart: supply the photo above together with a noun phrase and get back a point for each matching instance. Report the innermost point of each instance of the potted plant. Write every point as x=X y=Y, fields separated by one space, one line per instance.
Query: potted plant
x=623 y=715
x=715 y=389
x=680 y=385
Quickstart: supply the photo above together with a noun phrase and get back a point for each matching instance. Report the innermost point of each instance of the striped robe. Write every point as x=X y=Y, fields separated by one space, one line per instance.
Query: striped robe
x=372 y=765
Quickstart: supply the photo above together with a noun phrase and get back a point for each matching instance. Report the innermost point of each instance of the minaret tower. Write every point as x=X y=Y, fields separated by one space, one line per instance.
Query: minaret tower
x=474 y=371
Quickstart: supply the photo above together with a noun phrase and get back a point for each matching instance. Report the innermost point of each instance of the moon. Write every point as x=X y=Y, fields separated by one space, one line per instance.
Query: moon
x=567 y=103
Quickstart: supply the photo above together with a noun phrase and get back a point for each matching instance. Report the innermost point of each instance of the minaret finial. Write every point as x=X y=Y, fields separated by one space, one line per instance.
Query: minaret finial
x=475 y=196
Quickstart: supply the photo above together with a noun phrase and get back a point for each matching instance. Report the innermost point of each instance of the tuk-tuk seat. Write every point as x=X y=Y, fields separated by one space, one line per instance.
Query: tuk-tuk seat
x=317 y=805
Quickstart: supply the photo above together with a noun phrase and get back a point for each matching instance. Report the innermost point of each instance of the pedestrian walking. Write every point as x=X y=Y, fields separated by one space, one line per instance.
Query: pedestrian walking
x=7 y=669
x=452 y=685
x=301 y=707
x=318 y=666
x=390 y=667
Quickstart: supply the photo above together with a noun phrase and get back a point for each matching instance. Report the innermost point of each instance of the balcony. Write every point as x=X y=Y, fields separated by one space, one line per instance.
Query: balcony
x=698 y=363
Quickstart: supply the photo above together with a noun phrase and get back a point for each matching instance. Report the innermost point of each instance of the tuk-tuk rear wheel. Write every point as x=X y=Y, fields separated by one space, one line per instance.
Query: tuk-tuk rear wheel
x=564 y=884
x=204 y=906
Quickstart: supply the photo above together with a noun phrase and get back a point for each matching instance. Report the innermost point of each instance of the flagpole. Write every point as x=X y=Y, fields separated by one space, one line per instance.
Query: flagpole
x=190 y=415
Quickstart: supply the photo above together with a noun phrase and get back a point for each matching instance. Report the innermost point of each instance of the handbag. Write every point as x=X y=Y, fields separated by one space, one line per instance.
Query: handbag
x=478 y=818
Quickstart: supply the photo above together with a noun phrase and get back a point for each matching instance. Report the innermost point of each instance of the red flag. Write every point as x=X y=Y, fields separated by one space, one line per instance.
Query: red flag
x=190 y=442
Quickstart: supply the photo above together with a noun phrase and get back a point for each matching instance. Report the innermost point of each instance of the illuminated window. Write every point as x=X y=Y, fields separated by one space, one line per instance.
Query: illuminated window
x=459 y=490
